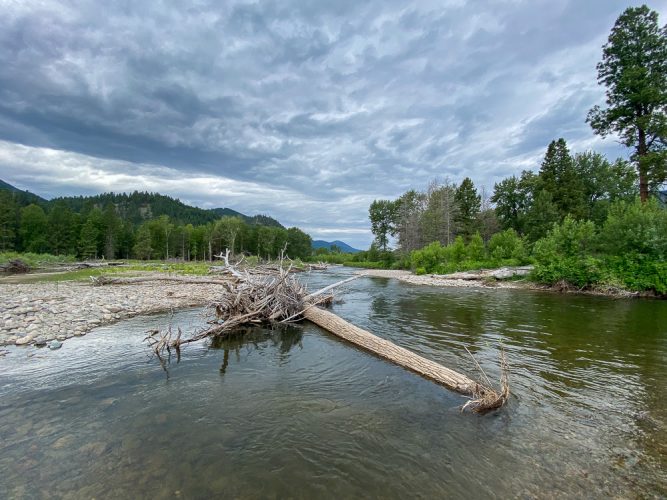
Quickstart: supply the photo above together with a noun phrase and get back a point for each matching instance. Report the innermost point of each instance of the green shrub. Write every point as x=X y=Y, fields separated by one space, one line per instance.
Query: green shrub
x=36 y=259
x=507 y=245
x=635 y=229
x=366 y=265
x=475 y=250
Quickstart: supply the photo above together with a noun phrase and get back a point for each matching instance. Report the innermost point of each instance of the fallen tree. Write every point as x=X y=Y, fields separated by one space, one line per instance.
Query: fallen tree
x=15 y=266
x=252 y=299
x=121 y=280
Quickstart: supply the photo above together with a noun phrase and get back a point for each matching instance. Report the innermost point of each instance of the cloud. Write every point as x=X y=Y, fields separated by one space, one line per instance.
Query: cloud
x=304 y=110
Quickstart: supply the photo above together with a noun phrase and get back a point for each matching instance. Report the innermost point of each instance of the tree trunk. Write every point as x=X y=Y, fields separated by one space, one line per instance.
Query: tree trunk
x=396 y=354
x=643 y=174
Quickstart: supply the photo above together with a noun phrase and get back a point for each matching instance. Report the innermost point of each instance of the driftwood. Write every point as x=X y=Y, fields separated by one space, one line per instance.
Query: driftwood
x=483 y=398
x=499 y=274
x=107 y=280
x=277 y=296
x=15 y=266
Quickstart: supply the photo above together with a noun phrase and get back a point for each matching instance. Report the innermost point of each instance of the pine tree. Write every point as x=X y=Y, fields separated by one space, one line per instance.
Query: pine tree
x=8 y=220
x=469 y=203
x=112 y=225
x=559 y=178
x=60 y=223
x=33 y=229
x=143 y=247
x=634 y=70
x=88 y=240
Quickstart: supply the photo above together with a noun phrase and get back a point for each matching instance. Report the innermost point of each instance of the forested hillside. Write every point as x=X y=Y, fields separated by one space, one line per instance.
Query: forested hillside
x=141 y=225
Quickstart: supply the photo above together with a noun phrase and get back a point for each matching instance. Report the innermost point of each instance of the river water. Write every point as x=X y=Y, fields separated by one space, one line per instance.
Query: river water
x=297 y=413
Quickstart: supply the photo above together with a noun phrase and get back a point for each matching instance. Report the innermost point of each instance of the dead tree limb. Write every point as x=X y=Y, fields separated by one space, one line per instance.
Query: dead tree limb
x=279 y=297
x=107 y=280
x=482 y=397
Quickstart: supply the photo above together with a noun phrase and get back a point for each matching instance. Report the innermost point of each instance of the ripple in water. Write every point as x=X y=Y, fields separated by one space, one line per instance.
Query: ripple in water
x=297 y=413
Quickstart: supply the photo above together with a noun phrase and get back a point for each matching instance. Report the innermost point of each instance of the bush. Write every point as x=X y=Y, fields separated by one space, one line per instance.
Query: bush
x=366 y=265
x=581 y=272
x=635 y=229
x=507 y=245
x=476 y=250
x=36 y=259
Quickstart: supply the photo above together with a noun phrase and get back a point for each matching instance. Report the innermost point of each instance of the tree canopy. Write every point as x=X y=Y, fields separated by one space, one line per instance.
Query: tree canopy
x=634 y=71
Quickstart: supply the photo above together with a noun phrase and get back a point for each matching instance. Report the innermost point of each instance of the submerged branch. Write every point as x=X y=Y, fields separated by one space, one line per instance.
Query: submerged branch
x=276 y=296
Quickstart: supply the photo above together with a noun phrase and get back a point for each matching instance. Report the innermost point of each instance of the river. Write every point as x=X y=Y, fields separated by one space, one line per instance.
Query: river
x=295 y=412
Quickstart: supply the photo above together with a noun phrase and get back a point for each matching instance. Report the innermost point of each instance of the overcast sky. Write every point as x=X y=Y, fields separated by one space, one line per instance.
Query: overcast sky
x=303 y=110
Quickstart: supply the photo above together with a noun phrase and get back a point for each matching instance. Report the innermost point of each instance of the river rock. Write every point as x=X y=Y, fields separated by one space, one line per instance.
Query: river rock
x=24 y=340
x=40 y=341
x=55 y=344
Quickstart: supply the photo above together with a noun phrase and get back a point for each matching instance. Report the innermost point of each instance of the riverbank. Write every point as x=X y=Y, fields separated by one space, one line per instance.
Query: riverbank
x=525 y=284
x=443 y=280
x=35 y=313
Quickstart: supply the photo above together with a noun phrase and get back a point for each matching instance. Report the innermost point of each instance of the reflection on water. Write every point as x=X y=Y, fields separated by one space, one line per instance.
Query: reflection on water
x=294 y=412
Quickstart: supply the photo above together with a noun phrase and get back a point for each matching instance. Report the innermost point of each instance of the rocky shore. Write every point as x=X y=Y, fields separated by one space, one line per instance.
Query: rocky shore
x=50 y=313
x=440 y=280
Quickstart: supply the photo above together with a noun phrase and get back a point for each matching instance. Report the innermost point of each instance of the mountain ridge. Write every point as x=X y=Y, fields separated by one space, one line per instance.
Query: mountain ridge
x=140 y=206
x=344 y=247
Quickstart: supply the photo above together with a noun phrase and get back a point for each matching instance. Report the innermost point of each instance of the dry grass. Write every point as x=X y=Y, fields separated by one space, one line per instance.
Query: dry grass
x=485 y=398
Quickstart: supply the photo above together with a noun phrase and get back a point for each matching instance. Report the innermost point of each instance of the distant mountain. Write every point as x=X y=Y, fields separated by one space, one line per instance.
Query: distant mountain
x=140 y=206
x=23 y=197
x=344 y=247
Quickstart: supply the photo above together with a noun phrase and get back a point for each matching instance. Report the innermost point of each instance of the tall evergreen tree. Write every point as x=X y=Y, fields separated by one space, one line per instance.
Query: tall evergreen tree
x=8 y=220
x=634 y=71
x=143 y=248
x=61 y=230
x=112 y=226
x=541 y=216
x=88 y=240
x=469 y=203
x=33 y=229
x=558 y=177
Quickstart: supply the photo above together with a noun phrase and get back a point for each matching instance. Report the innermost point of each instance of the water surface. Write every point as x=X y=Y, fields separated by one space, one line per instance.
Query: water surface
x=294 y=412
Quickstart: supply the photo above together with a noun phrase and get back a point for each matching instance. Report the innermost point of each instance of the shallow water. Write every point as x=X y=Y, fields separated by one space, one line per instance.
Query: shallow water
x=297 y=413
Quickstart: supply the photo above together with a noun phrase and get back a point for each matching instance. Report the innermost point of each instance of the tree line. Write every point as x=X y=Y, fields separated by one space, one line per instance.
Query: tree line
x=581 y=218
x=101 y=232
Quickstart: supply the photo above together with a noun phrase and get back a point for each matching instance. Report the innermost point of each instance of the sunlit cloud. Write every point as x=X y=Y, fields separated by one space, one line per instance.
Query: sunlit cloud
x=304 y=111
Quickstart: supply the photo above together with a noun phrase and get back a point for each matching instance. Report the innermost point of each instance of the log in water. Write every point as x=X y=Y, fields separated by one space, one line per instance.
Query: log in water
x=403 y=357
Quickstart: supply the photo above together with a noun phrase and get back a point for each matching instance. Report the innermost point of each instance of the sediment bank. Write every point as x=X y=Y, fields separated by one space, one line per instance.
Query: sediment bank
x=41 y=312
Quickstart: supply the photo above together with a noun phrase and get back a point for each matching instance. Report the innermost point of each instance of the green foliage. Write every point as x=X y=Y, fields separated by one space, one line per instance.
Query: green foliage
x=634 y=71
x=142 y=248
x=558 y=178
x=507 y=245
x=88 y=240
x=36 y=259
x=507 y=249
x=8 y=220
x=628 y=251
x=512 y=197
x=469 y=204
x=541 y=216
x=564 y=255
x=33 y=229
x=633 y=229
x=382 y=214
x=365 y=264
x=299 y=244
x=62 y=231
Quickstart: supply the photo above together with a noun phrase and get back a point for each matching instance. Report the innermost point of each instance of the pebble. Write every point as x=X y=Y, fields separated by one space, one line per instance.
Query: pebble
x=32 y=314
x=24 y=340
x=55 y=344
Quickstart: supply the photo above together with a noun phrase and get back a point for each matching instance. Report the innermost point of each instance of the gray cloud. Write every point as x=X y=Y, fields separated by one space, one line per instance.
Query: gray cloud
x=305 y=110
